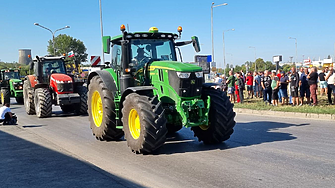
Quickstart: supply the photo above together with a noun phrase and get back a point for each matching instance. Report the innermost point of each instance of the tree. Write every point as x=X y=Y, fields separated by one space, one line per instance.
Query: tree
x=65 y=44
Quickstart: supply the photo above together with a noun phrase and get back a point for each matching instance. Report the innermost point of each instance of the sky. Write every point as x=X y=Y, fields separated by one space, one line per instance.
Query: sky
x=265 y=25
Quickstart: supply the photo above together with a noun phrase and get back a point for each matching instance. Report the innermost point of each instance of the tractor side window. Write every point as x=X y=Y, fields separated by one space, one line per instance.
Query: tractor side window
x=164 y=51
x=116 y=56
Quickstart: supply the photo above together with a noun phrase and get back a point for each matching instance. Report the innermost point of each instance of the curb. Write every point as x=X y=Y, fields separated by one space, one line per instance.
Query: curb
x=285 y=114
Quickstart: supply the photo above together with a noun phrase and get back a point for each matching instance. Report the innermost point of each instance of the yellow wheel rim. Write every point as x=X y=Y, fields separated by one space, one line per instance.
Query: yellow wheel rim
x=2 y=98
x=134 y=124
x=97 y=108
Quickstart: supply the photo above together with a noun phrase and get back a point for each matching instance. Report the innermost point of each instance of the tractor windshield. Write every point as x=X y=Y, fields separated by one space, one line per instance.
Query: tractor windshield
x=143 y=50
x=12 y=75
x=53 y=66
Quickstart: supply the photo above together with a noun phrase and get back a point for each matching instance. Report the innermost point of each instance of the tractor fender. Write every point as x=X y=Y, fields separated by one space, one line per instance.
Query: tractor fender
x=41 y=86
x=31 y=80
x=106 y=77
x=208 y=85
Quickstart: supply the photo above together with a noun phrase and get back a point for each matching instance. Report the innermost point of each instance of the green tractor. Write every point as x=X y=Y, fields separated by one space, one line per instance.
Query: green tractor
x=11 y=85
x=144 y=93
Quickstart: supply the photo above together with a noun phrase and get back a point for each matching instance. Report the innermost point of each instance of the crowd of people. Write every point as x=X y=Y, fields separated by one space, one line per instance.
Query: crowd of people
x=294 y=88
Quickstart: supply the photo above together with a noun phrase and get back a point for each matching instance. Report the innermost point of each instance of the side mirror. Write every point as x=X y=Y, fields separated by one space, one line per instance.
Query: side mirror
x=196 y=44
x=31 y=65
x=106 y=41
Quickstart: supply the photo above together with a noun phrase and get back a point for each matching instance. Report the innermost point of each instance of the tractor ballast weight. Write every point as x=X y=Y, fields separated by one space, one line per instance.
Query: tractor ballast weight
x=146 y=93
x=52 y=86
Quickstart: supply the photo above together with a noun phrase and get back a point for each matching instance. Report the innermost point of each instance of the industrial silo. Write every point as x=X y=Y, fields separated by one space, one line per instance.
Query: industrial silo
x=24 y=56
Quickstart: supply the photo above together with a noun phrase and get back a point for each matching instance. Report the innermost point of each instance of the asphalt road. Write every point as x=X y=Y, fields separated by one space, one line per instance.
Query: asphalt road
x=263 y=152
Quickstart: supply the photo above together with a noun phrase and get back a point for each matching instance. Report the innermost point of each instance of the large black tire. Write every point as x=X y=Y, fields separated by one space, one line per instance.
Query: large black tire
x=81 y=108
x=221 y=118
x=43 y=103
x=19 y=100
x=106 y=129
x=5 y=96
x=144 y=123
x=28 y=98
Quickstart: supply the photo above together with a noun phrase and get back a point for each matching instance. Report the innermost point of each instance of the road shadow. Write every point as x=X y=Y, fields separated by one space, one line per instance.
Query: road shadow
x=245 y=134
x=63 y=114
x=26 y=164
x=32 y=126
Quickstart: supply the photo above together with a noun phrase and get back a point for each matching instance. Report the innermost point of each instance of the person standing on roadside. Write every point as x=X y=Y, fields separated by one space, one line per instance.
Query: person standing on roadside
x=304 y=87
x=250 y=80
x=312 y=81
x=294 y=81
x=261 y=76
x=330 y=78
x=241 y=88
x=284 y=80
x=256 y=85
x=279 y=76
x=275 y=88
x=323 y=83
x=218 y=80
x=231 y=86
x=266 y=85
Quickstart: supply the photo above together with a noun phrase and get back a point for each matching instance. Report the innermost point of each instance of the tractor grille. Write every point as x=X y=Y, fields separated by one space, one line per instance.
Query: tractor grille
x=186 y=87
x=65 y=87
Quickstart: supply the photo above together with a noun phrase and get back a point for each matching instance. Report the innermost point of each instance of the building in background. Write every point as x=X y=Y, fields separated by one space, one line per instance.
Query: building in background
x=25 y=56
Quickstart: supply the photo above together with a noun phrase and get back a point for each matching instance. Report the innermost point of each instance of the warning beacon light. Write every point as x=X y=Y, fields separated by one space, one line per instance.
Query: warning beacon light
x=122 y=28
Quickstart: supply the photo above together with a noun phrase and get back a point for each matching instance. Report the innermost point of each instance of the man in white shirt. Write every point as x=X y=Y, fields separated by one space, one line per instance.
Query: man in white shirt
x=5 y=114
x=218 y=80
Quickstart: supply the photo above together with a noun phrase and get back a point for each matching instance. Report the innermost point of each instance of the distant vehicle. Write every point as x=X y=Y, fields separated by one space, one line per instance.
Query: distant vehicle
x=11 y=85
x=51 y=85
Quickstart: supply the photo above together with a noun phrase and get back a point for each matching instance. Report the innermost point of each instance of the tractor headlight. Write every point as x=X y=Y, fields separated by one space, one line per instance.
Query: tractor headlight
x=183 y=74
x=199 y=74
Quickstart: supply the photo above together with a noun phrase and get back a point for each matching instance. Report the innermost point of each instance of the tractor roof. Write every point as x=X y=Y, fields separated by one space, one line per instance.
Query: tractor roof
x=145 y=35
x=50 y=58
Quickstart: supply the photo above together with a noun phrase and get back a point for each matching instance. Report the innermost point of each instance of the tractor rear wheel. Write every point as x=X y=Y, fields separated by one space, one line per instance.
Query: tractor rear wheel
x=5 y=96
x=43 y=103
x=101 y=111
x=28 y=97
x=81 y=108
x=144 y=123
x=221 y=118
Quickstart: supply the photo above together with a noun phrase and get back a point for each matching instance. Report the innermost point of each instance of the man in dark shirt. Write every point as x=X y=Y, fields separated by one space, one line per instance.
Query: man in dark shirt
x=266 y=85
x=283 y=88
x=312 y=81
x=323 y=82
x=304 y=87
x=294 y=80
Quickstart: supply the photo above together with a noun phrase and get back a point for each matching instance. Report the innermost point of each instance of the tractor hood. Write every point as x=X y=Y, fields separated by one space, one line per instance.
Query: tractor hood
x=60 y=78
x=175 y=66
x=15 y=80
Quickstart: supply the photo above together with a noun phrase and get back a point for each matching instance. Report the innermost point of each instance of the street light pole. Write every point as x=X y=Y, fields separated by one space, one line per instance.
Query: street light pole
x=224 y=51
x=296 y=50
x=213 y=6
x=53 y=33
x=255 y=56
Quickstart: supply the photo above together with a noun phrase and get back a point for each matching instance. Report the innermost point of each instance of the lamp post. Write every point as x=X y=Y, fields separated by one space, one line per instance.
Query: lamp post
x=296 y=50
x=255 y=56
x=53 y=33
x=224 y=51
x=213 y=6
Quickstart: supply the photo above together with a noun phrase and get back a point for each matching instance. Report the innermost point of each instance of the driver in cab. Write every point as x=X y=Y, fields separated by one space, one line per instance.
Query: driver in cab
x=141 y=59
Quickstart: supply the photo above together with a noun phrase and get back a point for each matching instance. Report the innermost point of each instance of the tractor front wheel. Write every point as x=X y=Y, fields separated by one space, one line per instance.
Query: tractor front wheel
x=144 y=123
x=43 y=103
x=101 y=111
x=28 y=97
x=5 y=96
x=81 y=109
x=19 y=100
x=221 y=118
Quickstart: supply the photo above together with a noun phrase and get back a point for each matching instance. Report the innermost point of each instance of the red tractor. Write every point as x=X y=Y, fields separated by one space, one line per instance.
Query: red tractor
x=51 y=85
